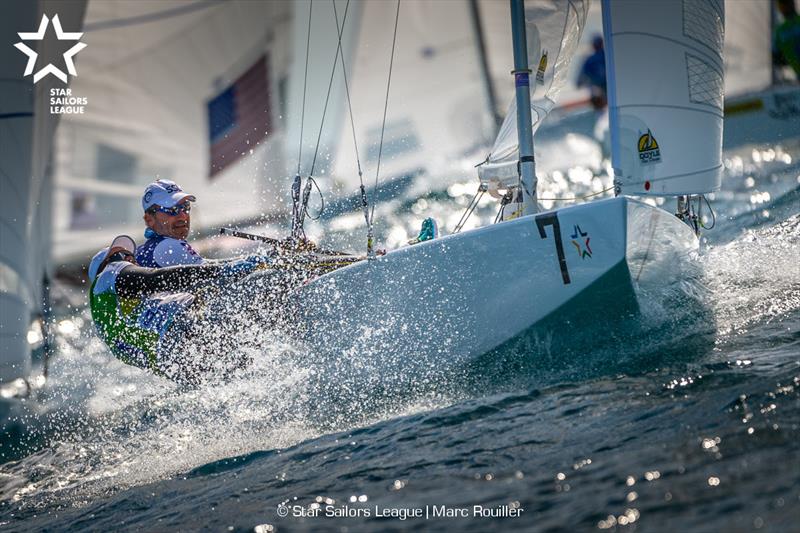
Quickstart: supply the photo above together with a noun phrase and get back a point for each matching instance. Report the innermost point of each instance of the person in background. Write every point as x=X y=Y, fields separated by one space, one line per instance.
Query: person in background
x=167 y=214
x=593 y=75
x=786 y=41
x=149 y=319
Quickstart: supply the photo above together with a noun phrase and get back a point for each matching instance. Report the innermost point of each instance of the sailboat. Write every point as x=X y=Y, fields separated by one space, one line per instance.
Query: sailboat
x=455 y=298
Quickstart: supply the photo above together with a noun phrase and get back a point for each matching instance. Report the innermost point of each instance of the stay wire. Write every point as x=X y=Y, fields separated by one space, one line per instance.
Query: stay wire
x=347 y=91
x=330 y=85
x=473 y=203
x=362 y=190
x=305 y=85
x=385 y=107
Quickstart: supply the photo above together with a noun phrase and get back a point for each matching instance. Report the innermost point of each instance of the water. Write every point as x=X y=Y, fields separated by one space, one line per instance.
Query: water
x=698 y=432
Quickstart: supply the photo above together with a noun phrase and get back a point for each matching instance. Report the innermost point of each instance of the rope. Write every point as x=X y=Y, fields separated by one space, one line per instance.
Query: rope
x=504 y=201
x=710 y=209
x=321 y=199
x=385 y=107
x=575 y=198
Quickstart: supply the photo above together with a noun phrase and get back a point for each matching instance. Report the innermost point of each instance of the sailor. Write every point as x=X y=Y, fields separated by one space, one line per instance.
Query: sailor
x=167 y=211
x=593 y=75
x=148 y=318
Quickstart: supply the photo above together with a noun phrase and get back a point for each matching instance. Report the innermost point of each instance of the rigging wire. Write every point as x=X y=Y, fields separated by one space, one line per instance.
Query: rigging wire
x=473 y=203
x=303 y=209
x=330 y=85
x=347 y=90
x=297 y=211
x=363 y=191
x=305 y=85
x=310 y=180
x=385 y=107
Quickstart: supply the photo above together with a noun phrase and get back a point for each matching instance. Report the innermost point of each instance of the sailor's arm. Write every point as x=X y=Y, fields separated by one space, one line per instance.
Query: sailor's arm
x=136 y=281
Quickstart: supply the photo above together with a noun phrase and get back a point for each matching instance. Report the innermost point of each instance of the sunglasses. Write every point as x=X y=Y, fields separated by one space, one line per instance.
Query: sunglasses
x=172 y=211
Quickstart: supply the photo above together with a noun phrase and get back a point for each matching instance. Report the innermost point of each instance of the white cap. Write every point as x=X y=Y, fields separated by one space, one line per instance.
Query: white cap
x=122 y=242
x=164 y=193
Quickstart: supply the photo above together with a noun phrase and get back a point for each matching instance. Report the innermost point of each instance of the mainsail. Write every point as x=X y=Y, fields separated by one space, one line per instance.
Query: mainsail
x=665 y=93
x=554 y=28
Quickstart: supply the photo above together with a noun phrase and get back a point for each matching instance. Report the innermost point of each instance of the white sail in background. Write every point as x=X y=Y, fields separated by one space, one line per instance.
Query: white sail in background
x=665 y=93
x=554 y=29
x=748 y=47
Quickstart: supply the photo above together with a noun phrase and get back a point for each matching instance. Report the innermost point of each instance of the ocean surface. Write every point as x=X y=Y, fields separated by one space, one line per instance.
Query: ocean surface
x=697 y=432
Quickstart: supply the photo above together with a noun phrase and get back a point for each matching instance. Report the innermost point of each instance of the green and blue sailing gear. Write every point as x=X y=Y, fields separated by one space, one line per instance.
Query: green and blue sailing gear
x=428 y=231
x=133 y=327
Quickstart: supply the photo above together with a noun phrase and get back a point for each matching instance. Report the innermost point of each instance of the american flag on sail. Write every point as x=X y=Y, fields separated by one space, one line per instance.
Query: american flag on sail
x=239 y=117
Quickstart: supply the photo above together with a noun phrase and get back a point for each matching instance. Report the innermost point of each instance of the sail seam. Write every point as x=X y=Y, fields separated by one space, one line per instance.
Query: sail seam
x=685 y=108
x=710 y=57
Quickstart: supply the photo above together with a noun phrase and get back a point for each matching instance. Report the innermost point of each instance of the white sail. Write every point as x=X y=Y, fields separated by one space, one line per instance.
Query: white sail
x=748 y=47
x=554 y=28
x=665 y=91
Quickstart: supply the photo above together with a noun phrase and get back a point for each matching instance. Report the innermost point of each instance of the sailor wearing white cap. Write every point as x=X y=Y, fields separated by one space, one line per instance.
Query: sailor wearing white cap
x=167 y=215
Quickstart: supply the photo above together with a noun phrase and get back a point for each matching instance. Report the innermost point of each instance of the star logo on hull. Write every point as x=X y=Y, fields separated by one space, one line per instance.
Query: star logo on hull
x=580 y=239
x=33 y=55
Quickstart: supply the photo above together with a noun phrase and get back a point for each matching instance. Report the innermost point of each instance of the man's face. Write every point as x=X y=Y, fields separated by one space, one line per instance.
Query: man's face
x=175 y=226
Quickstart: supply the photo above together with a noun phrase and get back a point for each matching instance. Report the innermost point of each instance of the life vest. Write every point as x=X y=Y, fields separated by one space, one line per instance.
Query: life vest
x=132 y=328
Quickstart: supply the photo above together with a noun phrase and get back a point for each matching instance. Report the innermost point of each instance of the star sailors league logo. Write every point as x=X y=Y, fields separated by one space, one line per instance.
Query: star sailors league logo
x=580 y=239
x=33 y=56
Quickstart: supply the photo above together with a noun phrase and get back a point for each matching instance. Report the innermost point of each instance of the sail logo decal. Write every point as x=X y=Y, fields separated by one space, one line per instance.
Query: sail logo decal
x=542 y=67
x=649 y=151
x=580 y=239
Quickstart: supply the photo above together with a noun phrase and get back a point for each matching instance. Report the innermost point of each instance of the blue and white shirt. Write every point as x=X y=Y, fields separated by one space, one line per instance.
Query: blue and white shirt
x=160 y=251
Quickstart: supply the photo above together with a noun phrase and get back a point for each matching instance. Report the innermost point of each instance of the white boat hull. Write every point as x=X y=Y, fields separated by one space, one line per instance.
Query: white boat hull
x=450 y=300
x=766 y=117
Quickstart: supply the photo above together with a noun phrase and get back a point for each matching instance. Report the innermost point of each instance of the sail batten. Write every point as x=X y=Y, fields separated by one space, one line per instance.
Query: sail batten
x=665 y=86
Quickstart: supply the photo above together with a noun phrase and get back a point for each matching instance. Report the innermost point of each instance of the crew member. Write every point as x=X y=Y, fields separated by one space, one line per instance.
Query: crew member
x=593 y=75
x=167 y=215
x=149 y=320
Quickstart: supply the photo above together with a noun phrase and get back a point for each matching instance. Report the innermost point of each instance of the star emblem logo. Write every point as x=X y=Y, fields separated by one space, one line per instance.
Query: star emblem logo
x=580 y=239
x=39 y=36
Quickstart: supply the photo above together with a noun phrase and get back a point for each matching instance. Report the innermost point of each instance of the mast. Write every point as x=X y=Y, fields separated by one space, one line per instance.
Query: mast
x=527 y=166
